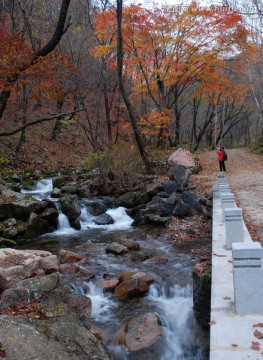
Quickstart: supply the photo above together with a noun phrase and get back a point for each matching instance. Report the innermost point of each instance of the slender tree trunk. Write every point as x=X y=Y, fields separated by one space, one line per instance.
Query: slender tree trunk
x=124 y=93
x=57 y=128
x=107 y=112
x=24 y=115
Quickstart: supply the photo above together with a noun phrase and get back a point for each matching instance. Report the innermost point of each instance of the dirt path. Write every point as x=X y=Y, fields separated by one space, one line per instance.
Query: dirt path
x=245 y=177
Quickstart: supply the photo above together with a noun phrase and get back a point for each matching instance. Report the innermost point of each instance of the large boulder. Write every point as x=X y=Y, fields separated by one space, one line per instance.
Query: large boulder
x=37 y=226
x=140 y=332
x=22 y=215
x=181 y=157
x=24 y=338
x=180 y=175
x=132 y=199
x=62 y=333
x=18 y=265
x=54 y=295
x=70 y=206
x=102 y=185
x=19 y=206
x=95 y=207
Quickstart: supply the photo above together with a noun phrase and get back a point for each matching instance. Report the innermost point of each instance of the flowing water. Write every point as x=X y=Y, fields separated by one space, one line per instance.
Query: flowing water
x=170 y=297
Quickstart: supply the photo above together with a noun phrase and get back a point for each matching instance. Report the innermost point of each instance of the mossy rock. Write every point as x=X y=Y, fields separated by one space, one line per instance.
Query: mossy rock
x=28 y=184
x=7 y=242
x=60 y=181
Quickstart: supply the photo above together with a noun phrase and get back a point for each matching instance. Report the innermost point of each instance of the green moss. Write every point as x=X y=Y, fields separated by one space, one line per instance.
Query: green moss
x=28 y=184
x=205 y=278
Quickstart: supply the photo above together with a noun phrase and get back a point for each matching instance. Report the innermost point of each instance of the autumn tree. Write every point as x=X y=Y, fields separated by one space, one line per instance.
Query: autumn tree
x=21 y=49
x=165 y=51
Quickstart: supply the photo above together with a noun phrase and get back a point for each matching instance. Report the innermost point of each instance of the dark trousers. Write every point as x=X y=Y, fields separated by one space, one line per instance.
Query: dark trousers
x=222 y=166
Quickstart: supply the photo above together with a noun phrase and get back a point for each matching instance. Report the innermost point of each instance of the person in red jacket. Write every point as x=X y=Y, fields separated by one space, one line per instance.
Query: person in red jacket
x=220 y=154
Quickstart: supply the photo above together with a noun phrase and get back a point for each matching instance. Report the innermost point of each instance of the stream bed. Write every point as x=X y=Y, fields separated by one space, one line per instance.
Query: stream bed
x=170 y=296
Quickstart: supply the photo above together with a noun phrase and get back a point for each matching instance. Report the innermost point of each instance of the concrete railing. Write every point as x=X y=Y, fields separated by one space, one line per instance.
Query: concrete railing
x=247 y=257
x=237 y=280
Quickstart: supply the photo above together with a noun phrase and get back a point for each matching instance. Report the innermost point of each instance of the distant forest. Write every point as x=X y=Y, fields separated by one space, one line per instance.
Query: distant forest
x=80 y=76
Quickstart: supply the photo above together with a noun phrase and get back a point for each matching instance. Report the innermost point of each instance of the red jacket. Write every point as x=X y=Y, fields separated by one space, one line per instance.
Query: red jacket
x=220 y=155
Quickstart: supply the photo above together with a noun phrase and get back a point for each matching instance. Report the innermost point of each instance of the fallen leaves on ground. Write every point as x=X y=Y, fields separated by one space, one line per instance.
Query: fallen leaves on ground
x=255 y=346
x=234 y=345
x=258 y=334
x=212 y=322
x=32 y=310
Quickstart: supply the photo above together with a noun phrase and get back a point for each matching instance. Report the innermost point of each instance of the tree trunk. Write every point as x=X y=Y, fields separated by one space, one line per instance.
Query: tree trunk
x=124 y=93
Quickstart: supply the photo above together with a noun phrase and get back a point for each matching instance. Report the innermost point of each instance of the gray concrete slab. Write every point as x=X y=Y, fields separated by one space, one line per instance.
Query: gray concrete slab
x=231 y=336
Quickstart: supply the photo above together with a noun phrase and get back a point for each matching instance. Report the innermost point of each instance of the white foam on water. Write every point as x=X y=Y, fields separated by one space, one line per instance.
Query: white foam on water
x=175 y=309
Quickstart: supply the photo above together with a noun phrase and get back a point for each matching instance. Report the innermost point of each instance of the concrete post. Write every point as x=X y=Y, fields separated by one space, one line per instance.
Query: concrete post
x=227 y=202
x=220 y=175
x=248 y=277
x=233 y=226
x=221 y=181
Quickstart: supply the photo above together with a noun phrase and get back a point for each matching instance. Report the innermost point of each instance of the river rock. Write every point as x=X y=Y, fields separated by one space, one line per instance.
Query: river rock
x=68 y=268
x=131 y=288
x=67 y=256
x=16 y=231
x=193 y=200
x=6 y=242
x=37 y=226
x=116 y=249
x=172 y=186
x=129 y=243
x=95 y=207
x=18 y=265
x=104 y=219
x=154 y=188
x=19 y=206
x=56 y=193
x=70 y=188
x=157 y=259
x=70 y=206
x=108 y=284
x=140 y=332
x=102 y=185
x=50 y=215
x=109 y=201
x=149 y=279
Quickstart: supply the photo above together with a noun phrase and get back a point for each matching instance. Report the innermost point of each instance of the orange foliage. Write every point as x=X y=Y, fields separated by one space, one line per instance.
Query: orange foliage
x=152 y=123
x=171 y=48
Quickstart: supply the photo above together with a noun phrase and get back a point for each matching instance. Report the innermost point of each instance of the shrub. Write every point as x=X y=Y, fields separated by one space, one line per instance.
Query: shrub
x=118 y=159
x=257 y=147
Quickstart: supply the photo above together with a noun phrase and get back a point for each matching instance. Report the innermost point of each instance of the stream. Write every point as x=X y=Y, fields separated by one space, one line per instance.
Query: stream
x=170 y=296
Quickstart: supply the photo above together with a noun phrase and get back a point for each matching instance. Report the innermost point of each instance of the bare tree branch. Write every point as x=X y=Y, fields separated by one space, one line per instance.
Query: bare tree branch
x=38 y=121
